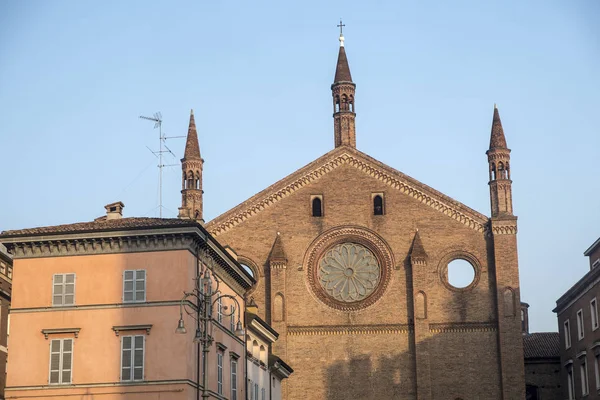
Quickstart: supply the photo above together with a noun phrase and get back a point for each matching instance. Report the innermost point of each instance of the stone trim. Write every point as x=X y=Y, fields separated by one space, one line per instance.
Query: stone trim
x=354 y=234
x=58 y=331
x=416 y=190
x=127 y=328
x=458 y=255
x=109 y=384
x=349 y=329
x=98 y=306
x=463 y=327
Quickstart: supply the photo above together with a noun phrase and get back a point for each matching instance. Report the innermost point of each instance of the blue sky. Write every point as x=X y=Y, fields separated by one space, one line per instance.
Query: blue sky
x=75 y=76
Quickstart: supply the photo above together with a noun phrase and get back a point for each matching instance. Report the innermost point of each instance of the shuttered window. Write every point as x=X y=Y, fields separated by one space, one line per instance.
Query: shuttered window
x=234 y=364
x=232 y=324
x=220 y=372
x=61 y=361
x=220 y=310
x=134 y=286
x=132 y=358
x=63 y=290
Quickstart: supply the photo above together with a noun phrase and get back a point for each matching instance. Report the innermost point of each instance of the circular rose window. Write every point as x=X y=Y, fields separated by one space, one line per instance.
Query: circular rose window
x=348 y=267
x=349 y=272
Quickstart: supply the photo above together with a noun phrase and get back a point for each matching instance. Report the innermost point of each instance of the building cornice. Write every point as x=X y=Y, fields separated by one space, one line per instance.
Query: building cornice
x=592 y=248
x=336 y=158
x=191 y=238
x=349 y=329
x=579 y=289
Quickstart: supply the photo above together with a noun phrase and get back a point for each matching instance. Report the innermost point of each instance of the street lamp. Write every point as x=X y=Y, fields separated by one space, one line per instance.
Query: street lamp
x=198 y=304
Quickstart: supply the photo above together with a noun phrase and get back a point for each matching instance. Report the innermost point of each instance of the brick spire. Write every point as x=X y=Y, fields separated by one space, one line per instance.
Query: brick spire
x=192 y=148
x=417 y=251
x=191 y=182
x=277 y=252
x=342 y=90
x=497 y=139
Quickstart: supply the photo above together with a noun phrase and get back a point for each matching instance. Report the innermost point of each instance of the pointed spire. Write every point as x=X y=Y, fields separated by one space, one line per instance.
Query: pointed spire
x=417 y=251
x=497 y=139
x=277 y=255
x=342 y=70
x=192 y=148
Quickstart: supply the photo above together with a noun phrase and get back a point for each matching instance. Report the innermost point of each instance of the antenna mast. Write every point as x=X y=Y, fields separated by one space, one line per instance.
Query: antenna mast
x=157 y=119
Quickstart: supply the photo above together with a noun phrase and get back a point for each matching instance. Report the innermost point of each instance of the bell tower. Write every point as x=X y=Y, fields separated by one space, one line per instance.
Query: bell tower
x=342 y=90
x=499 y=168
x=191 y=182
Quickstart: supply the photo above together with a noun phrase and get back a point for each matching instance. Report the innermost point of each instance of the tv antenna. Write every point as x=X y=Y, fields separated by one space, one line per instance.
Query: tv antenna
x=157 y=119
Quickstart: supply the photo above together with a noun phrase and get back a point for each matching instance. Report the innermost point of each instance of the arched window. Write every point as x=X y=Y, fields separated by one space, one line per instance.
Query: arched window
x=190 y=184
x=344 y=102
x=507 y=171
x=278 y=312
x=351 y=103
x=509 y=302
x=255 y=350
x=337 y=104
x=378 y=205
x=317 y=207
x=421 y=305
x=493 y=172
x=263 y=355
x=500 y=170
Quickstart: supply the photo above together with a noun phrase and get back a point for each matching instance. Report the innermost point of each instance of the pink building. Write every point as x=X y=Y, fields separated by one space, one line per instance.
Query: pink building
x=96 y=306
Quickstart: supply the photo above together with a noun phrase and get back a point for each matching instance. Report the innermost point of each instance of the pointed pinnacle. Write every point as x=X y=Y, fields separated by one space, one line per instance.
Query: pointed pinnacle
x=192 y=148
x=497 y=139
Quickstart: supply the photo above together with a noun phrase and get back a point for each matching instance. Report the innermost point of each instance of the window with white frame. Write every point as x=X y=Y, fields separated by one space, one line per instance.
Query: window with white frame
x=234 y=364
x=250 y=391
x=220 y=310
x=597 y=370
x=256 y=391
x=594 y=313
x=220 y=372
x=580 y=333
x=570 y=382
x=61 y=361
x=134 y=285
x=132 y=358
x=232 y=322
x=63 y=289
x=567 y=332
x=263 y=394
x=585 y=388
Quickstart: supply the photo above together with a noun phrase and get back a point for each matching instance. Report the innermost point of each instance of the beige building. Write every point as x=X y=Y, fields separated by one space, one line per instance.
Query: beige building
x=577 y=312
x=99 y=312
x=265 y=371
x=6 y=270
x=355 y=265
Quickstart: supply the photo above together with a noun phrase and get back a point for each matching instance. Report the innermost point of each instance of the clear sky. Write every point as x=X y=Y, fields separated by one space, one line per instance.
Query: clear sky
x=75 y=76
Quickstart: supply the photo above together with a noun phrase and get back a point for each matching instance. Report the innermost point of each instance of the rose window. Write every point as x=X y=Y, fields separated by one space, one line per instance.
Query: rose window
x=349 y=272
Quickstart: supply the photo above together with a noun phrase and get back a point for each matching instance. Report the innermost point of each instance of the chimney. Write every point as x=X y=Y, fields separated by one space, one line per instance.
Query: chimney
x=114 y=210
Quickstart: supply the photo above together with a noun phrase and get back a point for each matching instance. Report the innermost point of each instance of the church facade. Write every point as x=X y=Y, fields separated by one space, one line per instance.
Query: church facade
x=351 y=261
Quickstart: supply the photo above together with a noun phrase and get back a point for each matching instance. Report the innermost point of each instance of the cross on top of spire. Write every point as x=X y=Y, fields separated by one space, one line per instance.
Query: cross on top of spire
x=341 y=26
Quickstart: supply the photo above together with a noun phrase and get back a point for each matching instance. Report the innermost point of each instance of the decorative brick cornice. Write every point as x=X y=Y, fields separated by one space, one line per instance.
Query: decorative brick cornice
x=504 y=226
x=373 y=168
x=463 y=327
x=349 y=329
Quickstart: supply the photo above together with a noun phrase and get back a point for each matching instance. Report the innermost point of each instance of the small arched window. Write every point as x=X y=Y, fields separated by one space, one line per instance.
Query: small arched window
x=378 y=205
x=501 y=170
x=337 y=104
x=493 y=172
x=317 y=207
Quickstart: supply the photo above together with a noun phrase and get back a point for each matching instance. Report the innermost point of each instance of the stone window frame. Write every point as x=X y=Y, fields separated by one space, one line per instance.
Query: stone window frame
x=594 y=313
x=567 y=333
x=580 y=325
x=459 y=255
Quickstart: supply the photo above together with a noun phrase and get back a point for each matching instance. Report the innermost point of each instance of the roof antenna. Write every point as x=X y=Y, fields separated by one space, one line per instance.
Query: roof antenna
x=157 y=119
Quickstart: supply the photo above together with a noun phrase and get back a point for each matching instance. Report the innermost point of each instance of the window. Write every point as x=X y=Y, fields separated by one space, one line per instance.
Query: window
x=594 y=313
x=132 y=358
x=232 y=322
x=567 y=331
x=570 y=382
x=61 y=361
x=63 y=290
x=255 y=391
x=220 y=310
x=2 y=268
x=250 y=392
x=317 y=206
x=597 y=370
x=220 y=372
x=263 y=394
x=378 y=204
x=580 y=333
x=134 y=286
x=585 y=389
x=233 y=379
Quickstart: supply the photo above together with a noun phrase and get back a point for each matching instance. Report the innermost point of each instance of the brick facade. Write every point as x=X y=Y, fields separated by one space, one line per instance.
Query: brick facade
x=414 y=336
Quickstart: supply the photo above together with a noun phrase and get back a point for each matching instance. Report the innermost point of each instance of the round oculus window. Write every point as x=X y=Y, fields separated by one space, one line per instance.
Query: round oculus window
x=349 y=272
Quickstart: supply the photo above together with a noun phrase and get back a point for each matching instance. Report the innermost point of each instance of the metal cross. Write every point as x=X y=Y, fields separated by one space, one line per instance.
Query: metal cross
x=341 y=26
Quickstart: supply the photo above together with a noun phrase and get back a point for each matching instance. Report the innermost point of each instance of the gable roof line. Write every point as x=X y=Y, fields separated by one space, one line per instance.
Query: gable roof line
x=361 y=161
